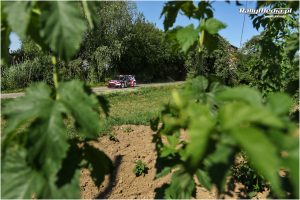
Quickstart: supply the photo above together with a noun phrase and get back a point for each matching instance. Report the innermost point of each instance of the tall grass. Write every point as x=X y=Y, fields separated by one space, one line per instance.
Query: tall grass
x=136 y=107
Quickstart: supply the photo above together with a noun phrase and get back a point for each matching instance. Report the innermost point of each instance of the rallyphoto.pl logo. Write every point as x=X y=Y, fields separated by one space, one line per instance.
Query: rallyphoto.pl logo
x=276 y=12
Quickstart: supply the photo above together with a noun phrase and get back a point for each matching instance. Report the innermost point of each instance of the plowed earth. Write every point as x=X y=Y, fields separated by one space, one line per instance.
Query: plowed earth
x=135 y=143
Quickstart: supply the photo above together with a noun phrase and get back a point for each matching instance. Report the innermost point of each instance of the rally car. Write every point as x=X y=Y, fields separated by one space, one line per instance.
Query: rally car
x=122 y=81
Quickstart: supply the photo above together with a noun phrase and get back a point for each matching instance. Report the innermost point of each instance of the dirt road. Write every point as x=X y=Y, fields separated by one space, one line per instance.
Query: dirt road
x=101 y=90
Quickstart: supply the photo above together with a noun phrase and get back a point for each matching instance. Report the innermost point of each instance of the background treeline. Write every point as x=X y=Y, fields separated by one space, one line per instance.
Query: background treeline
x=122 y=42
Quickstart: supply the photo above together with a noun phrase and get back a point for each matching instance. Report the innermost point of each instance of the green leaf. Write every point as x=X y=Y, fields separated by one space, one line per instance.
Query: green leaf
x=18 y=180
x=18 y=15
x=25 y=109
x=164 y=172
x=197 y=85
x=291 y=161
x=33 y=26
x=63 y=27
x=201 y=124
x=186 y=37
x=262 y=154
x=82 y=107
x=68 y=191
x=188 y=8
x=241 y=93
x=170 y=11
x=204 y=7
x=279 y=103
x=237 y=113
x=170 y=147
x=182 y=186
x=221 y=158
x=210 y=42
x=47 y=138
x=213 y=25
x=87 y=13
x=204 y=179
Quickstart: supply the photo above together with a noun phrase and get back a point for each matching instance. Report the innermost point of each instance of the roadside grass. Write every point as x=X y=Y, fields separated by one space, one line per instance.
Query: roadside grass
x=135 y=107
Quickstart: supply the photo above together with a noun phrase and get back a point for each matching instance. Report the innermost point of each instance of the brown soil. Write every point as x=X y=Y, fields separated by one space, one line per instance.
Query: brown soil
x=135 y=142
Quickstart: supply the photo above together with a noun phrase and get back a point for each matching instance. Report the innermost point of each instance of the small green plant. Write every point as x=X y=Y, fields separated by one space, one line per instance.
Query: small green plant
x=139 y=168
x=128 y=129
x=113 y=137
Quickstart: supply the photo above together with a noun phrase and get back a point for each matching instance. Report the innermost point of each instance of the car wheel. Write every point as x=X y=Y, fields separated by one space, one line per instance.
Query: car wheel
x=122 y=85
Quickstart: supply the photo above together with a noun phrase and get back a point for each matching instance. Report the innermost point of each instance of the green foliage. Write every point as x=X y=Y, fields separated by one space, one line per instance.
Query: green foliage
x=220 y=64
x=219 y=123
x=39 y=159
x=271 y=57
x=23 y=74
x=212 y=26
x=187 y=36
x=42 y=145
x=62 y=20
x=23 y=10
x=57 y=22
x=139 y=168
x=154 y=61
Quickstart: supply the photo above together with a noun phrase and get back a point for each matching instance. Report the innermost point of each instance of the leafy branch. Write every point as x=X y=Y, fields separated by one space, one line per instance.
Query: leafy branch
x=39 y=159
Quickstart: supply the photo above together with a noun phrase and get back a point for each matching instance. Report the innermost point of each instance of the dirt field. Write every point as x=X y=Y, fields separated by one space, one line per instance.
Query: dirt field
x=134 y=143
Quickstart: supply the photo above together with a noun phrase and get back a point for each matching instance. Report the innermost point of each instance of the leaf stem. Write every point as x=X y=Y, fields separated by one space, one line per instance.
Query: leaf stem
x=55 y=76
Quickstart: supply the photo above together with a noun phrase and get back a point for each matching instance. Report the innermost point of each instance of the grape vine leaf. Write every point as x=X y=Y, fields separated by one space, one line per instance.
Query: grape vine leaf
x=213 y=25
x=262 y=154
x=242 y=93
x=200 y=127
x=63 y=27
x=221 y=158
x=38 y=119
x=18 y=180
x=18 y=15
x=204 y=179
x=82 y=107
x=187 y=36
x=292 y=162
x=244 y=114
x=47 y=143
x=279 y=103
x=182 y=186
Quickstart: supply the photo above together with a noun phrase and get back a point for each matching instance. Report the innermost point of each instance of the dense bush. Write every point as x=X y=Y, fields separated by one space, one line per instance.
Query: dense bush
x=149 y=56
x=23 y=74
x=220 y=63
